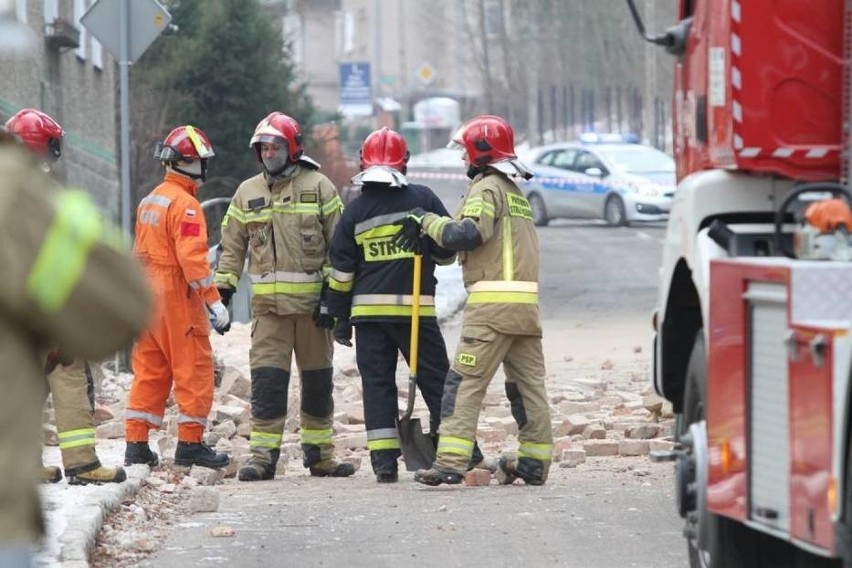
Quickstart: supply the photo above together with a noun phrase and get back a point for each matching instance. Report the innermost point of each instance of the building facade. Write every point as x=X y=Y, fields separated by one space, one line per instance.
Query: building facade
x=71 y=77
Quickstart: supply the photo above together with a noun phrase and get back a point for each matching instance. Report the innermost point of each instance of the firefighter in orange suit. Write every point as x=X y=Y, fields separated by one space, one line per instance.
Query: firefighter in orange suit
x=282 y=221
x=67 y=284
x=171 y=242
x=69 y=379
x=498 y=250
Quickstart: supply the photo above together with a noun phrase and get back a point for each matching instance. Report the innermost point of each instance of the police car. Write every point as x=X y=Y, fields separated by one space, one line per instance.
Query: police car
x=599 y=177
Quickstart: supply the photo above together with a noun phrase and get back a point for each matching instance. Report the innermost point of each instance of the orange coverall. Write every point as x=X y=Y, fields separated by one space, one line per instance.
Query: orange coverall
x=171 y=242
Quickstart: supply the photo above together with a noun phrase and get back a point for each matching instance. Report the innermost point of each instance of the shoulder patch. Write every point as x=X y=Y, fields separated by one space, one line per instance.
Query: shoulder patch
x=190 y=213
x=188 y=229
x=256 y=203
x=308 y=198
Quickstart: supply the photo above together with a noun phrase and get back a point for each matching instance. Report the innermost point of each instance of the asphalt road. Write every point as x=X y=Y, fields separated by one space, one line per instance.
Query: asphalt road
x=598 y=287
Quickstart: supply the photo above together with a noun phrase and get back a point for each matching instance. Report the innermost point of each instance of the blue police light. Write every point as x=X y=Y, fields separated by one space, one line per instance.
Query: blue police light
x=608 y=137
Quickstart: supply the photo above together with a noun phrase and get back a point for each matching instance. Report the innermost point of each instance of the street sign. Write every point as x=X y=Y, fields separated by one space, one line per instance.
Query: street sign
x=355 y=95
x=147 y=19
x=425 y=73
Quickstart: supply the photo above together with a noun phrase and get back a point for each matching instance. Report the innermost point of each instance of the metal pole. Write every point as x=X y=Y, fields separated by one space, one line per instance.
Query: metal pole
x=124 y=103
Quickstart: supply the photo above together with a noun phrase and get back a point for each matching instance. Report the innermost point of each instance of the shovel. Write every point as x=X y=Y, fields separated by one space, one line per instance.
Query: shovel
x=418 y=451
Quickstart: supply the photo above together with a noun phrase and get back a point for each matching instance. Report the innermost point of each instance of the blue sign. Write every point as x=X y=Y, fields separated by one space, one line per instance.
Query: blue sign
x=355 y=93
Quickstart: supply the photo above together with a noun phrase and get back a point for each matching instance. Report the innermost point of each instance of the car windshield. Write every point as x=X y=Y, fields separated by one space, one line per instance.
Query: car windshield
x=638 y=159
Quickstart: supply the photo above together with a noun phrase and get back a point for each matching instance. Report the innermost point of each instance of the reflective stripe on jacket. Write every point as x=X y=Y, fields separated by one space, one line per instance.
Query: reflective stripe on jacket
x=284 y=228
x=501 y=274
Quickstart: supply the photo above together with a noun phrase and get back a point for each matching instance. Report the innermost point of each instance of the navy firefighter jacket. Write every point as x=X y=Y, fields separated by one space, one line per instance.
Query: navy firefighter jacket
x=371 y=279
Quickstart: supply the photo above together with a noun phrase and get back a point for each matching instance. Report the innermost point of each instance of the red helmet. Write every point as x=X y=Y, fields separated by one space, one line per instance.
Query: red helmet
x=38 y=132
x=184 y=144
x=384 y=147
x=486 y=139
x=282 y=127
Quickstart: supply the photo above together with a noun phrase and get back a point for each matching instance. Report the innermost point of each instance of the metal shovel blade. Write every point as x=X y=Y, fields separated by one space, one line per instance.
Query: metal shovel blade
x=418 y=451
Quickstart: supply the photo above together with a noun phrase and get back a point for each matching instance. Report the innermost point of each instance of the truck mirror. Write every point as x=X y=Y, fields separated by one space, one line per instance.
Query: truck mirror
x=674 y=38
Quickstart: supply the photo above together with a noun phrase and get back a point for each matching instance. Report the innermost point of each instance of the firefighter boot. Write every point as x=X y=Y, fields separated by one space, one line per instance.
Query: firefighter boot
x=531 y=471
x=506 y=473
x=331 y=468
x=98 y=476
x=189 y=454
x=476 y=458
x=140 y=453
x=258 y=470
x=385 y=465
x=50 y=474
x=436 y=476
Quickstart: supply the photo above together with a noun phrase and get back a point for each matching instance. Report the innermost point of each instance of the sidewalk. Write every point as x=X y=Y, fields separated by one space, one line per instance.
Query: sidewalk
x=74 y=514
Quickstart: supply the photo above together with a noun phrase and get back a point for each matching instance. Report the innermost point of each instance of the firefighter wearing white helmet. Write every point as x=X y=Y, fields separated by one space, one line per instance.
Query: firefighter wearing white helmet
x=282 y=221
x=498 y=250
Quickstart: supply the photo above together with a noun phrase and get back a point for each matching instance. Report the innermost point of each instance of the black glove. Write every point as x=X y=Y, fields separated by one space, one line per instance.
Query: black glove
x=322 y=318
x=343 y=332
x=408 y=238
x=226 y=292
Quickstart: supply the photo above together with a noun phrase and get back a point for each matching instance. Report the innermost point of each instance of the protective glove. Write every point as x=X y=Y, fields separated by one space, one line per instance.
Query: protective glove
x=220 y=319
x=226 y=292
x=408 y=238
x=343 y=332
x=322 y=318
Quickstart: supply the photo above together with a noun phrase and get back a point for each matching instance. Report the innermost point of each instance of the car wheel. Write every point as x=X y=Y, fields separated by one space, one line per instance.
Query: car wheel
x=614 y=213
x=539 y=211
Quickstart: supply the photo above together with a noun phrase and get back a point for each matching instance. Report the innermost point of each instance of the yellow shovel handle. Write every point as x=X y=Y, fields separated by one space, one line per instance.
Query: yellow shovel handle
x=415 y=314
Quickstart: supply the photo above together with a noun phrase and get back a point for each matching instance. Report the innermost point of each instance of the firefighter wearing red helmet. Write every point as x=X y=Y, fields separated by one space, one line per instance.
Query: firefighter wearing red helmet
x=40 y=133
x=174 y=351
x=69 y=379
x=497 y=245
x=367 y=266
x=281 y=221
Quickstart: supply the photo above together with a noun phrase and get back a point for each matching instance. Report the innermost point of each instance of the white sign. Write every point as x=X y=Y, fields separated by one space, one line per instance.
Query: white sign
x=147 y=20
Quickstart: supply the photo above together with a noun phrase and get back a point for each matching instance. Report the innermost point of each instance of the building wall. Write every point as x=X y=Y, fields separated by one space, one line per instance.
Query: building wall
x=77 y=87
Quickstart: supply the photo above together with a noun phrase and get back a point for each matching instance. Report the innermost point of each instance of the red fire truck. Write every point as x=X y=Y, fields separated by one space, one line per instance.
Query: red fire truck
x=753 y=329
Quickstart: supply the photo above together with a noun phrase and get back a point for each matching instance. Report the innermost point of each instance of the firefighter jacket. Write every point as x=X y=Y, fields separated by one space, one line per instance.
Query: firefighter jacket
x=368 y=270
x=283 y=227
x=171 y=241
x=498 y=251
x=67 y=282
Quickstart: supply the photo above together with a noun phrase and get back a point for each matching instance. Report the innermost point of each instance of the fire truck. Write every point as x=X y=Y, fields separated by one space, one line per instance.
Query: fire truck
x=753 y=326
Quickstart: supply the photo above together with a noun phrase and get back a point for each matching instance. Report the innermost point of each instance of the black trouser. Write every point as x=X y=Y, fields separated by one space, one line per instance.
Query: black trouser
x=377 y=347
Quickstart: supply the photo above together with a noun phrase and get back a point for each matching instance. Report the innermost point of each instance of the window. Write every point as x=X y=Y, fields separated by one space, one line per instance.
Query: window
x=97 y=55
x=586 y=160
x=79 y=10
x=51 y=11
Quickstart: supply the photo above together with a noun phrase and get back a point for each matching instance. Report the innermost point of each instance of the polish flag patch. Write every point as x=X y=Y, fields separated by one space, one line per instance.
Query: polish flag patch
x=190 y=229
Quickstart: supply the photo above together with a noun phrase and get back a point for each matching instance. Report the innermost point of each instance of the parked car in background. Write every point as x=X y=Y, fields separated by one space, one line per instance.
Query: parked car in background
x=594 y=178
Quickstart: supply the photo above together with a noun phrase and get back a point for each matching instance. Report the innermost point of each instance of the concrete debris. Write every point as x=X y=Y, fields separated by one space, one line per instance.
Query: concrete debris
x=204 y=500
x=222 y=531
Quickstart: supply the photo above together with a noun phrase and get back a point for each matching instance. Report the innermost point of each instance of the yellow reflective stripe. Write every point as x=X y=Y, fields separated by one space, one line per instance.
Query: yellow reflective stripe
x=316 y=437
x=476 y=207
x=201 y=148
x=382 y=231
x=338 y=286
x=63 y=254
x=335 y=204
x=76 y=438
x=227 y=278
x=436 y=227
x=508 y=256
x=389 y=310
x=394 y=299
x=503 y=286
x=265 y=440
x=267 y=288
x=265 y=215
x=535 y=451
x=502 y=298
x=384 y=444
x=456 y=446
x=519 y=206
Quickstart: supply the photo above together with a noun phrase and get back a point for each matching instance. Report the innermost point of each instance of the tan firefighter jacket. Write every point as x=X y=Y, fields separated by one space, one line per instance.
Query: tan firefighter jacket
x=67 y=283
x=501 y=274
x=285 y=229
